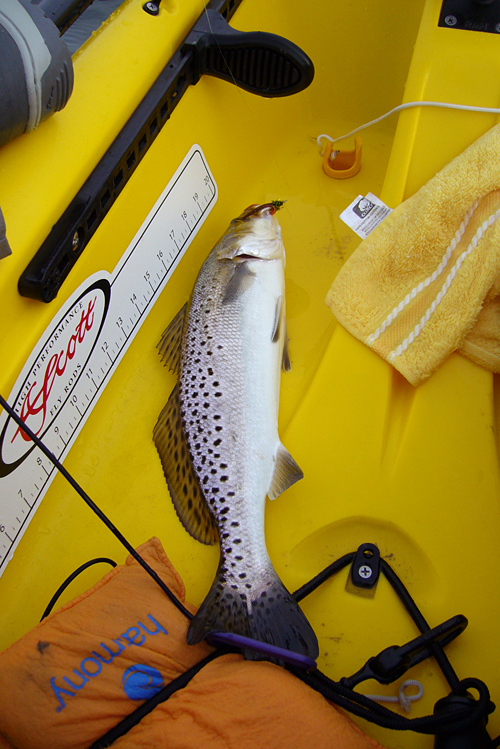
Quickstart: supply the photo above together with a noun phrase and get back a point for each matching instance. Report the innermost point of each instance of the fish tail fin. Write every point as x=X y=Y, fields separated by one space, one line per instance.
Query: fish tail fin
x=269 y=614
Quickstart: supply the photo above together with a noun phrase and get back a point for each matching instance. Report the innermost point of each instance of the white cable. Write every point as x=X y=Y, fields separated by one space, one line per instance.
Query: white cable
x=404 y=700
x=408 y=105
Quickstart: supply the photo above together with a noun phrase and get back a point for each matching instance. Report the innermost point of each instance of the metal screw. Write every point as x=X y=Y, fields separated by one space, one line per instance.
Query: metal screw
x=75 y=241
x=450 y=20
x=152 y=8
x=365 y=572
x=497 y=27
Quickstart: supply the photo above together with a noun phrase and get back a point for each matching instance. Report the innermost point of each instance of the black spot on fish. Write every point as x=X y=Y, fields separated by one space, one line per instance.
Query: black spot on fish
x=235 y=524
x=215 y=490
x=236 y=540
x=210 y=371
x=242 y=575
x=217 y=442
x=218 y=429
x=239 y=559
x=224 y=478
x=230 y=494
x=216 y=417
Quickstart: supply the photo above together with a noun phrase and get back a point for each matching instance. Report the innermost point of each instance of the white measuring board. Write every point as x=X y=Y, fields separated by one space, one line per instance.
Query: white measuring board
x=76 y=356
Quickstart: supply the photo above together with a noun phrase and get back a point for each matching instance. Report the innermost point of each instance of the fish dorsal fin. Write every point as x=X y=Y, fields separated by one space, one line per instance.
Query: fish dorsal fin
x=183 y=485
x=286 y=472
x=239 y=282
x=169 y=347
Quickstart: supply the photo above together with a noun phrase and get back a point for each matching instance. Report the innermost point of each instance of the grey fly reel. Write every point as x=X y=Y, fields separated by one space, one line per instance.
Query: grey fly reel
x=36 y=71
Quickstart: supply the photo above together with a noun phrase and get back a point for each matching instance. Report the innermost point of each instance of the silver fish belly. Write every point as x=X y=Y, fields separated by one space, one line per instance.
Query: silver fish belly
x=218 y=435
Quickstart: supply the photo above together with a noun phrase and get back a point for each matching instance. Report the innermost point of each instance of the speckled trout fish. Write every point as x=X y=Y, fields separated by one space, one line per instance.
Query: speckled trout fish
x=218 y=434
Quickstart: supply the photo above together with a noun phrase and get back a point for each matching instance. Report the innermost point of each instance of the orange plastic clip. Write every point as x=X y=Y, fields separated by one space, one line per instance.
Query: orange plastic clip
x=342 y=164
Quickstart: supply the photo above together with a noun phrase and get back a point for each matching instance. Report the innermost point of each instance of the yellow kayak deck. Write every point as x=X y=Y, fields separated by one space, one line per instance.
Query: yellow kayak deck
x=413 y=470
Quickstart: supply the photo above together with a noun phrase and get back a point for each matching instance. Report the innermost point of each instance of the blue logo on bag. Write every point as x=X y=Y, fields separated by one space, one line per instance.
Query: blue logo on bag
x=141 y=682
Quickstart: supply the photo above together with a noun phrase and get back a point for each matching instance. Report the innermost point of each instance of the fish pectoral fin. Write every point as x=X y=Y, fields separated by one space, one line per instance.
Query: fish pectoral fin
x=170 y=343
x=286 y=472
x=280 y=329
x=183 y=485
x=285 y=362
x=275 y=335
x=240 y=281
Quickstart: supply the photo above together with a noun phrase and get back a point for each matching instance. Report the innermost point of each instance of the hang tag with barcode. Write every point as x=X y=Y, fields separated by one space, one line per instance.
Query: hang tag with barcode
x=365 y=214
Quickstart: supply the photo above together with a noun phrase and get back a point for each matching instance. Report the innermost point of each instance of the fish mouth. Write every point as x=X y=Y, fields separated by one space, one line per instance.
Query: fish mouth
x=259 y=210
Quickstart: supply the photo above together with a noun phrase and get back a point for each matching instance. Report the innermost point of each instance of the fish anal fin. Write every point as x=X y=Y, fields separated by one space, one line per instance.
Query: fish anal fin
x=239 y=282
x=183 y=485
x=286 y=472
x=169 y=347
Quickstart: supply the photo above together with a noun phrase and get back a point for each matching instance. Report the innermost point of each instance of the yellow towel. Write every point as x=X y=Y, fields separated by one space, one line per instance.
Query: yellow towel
x=426 y=282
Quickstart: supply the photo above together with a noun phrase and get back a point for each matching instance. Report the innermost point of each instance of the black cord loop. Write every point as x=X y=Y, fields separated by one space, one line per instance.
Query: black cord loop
x=70 y=578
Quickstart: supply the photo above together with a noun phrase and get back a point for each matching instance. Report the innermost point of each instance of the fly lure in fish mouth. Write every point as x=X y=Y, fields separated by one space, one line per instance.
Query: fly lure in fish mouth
x=217 y=436
x=255 y=209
